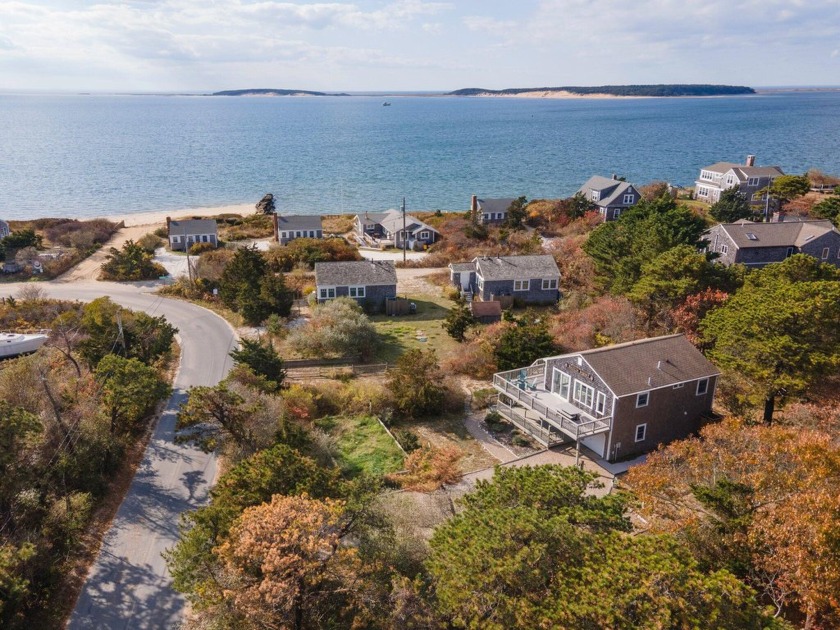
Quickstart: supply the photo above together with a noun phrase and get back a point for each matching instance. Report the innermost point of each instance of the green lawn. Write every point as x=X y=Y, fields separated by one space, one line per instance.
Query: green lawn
x=362 y=445
x=423 y=330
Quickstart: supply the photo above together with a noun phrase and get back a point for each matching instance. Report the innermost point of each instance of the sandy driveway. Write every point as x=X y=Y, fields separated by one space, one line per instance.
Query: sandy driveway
x=88 y=269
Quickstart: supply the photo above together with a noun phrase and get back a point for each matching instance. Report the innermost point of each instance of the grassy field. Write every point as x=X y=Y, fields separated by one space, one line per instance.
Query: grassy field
x=362 y=445
x=422 y=330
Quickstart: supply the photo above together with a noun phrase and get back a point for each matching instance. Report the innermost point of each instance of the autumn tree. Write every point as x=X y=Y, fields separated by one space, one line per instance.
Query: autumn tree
x=416 y=384
x=732 y=206
x=620 y=248
x=758 y=501
x=780 y=331
x=828 y=208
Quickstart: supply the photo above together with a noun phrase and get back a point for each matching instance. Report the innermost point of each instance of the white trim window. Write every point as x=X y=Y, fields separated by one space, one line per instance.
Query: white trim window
x=678 y=386
x=702 y=191
x=298 y=234
x=583 y=394
x=356 y=292
x=628 y=199
x=825 y=253
x=424 y=235
x=730 y=180
x=707 y=175
x=600 y=402
x=175 y=239
x=521 y=285
x=642 y=399
x=549 y=283
x=702 y=386
x=723 y=249
x=561 y=384
x=282 y=235
x=752 y=181
x=641 y=432
x=326 y=293
x=595 y=195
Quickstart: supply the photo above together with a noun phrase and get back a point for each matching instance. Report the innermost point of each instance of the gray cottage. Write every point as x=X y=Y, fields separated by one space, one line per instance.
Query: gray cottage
x=384 y=229
x=184 y=234
x=759 y=244
x=4 y=229
x=490 y=210
x=619 y=401
x=527 y=279
x=288 y=228
x=748 y=178
x=368 y=282
x=611 y=195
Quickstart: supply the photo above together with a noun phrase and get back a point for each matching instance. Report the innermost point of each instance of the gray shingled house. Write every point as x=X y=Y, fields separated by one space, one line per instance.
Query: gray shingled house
x=288 y=228
x=759 y=244
x=184 y=234
x=4 y=229
x=619 y=401
x=490 y=210
x=527 y=279
x=386 y=229
x=368 y=282
x=747 y=177
x=611 y=195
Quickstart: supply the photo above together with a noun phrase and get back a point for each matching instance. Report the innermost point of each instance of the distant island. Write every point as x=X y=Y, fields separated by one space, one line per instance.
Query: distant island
x=273 y=92
x=613 y=90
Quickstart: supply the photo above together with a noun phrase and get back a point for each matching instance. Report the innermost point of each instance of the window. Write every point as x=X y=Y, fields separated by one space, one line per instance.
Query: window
x=825 y=253
x=706 y=175
x=176 y=239
x=356 y=292
x=561 y=384
x=424 y=235
x=298 y=234
x=628 y=199
x=702 y=386
x=789 y=252
x=547 y=284
x=282 y=235
x=730 y=180
x=595 y=195
x=752 y=236
x=600 y=402
x=642 y=399
x=702 y=191
x=723 y=249
x=641 y=432
x=752 y=181
x=584 y=394
x=521 y=285
x=616 y=213
x=327 y=293
x=204 y=238
x=679 y=386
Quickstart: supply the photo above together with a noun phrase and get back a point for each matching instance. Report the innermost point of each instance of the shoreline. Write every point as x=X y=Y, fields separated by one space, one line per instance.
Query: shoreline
x=158 y=217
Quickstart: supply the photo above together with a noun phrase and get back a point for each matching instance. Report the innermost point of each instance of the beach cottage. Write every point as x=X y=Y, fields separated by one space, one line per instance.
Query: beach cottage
x=288 y=228
x=368 y=282
x=184 y=234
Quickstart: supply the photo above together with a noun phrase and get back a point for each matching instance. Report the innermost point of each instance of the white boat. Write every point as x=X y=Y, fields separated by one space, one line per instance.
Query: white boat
x=15 y=344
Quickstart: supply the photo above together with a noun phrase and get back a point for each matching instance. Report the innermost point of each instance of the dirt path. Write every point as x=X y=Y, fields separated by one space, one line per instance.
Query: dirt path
x=88 y=269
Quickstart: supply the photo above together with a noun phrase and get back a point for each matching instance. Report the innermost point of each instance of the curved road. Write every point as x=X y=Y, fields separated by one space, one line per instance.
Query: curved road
x=128 y=586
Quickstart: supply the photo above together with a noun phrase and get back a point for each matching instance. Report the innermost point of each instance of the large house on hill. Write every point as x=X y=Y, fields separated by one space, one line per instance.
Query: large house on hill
x=389 y=228
x=619 y=401
x=759 y=244
x=748 y=178
x=368 y=282
x=528 y=279
x=612 y=196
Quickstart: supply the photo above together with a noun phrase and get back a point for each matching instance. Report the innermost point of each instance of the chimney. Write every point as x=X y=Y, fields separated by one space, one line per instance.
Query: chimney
x=276 y=221
x=168 y=221
x=614 y=176
x=474 y=209
x=750 y=160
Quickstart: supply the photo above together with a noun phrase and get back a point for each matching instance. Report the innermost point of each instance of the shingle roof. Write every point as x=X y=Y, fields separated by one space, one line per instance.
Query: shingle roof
x=356 y=272
x=462 y=266
x=783 y=234
x=638 y=366
x=743 y=171
x=192 y=226
x=516 y=267
x=494 y=205
x=392 y=221
x=299 y=222
x=610 y=189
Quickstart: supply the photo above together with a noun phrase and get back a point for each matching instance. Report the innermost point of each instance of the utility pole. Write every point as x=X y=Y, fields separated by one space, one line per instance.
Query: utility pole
x=405 y=243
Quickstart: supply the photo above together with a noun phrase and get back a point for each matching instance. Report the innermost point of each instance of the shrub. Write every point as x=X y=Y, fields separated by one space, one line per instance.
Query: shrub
x=429 y=468
x=481 y=398
x=416 y=384
x=131 y=263
x=150 y=242
x=199 y=248
x=408 y=440
x=337 y=328
x=308 y=251
x=262 y=358
x=80 y=234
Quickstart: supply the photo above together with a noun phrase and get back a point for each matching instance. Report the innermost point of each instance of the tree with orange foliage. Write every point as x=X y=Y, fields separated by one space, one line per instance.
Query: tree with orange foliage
x=759 y=501
x=429 y=468
x=687 y=316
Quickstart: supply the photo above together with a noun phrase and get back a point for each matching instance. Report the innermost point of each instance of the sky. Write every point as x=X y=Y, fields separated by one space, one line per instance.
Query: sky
x=370 y=45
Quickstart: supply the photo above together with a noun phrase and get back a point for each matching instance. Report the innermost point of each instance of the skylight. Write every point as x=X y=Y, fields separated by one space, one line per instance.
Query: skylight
x=752 y=236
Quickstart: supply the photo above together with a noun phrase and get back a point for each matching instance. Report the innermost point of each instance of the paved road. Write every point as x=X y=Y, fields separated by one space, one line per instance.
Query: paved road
x=128 y=585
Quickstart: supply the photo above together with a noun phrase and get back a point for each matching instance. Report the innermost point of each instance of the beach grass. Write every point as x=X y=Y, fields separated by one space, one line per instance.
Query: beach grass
x=362 y=445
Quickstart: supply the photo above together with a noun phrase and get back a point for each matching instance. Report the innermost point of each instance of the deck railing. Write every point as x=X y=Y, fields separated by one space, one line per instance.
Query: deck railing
x=523 y=390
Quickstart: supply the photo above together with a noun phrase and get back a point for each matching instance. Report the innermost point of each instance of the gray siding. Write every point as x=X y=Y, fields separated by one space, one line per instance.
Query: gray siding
x=293 y=234
x=191 y=239
x=830 y=241
x=761 y=256
x=375 y=296
x=583 y=373
x=534 y=295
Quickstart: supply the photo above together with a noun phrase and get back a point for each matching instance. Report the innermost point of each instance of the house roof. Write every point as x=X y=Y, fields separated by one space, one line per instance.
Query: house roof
x=492 y=308
x=638 y=366
x=299 y=222
x=369 y=218
x=744 y=172
x=516 y=267
x=746 y=234
x=494 y=205
x=355 y=272
x=610 y=189
x=462 y=266
x=392 y=221
x=192 y=226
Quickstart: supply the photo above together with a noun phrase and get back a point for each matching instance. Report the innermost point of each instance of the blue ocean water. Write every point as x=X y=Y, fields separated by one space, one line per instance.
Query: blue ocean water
x=91 y=155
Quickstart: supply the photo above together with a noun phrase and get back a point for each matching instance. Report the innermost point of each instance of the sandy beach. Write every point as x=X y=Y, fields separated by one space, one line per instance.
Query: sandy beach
x=553 y=94
x=158 y=218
